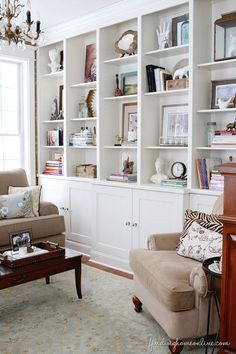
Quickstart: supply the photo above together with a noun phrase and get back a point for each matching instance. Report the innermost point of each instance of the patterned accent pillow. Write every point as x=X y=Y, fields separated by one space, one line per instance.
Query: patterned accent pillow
x=201 y=243
x=36 y=190
x=16 y=205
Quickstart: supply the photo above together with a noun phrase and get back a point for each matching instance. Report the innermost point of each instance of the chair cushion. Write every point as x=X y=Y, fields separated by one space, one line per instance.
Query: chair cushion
x=200 y=243
x=36 y=190
x=16 y=205
x=41 y=227
x=166 y=275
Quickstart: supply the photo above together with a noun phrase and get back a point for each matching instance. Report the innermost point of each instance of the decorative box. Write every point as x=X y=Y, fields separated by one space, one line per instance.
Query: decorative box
x=177 y=84
x=87 y=170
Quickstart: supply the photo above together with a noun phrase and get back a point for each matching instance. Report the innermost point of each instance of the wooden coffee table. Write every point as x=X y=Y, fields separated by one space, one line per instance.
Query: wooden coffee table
x=44 y=269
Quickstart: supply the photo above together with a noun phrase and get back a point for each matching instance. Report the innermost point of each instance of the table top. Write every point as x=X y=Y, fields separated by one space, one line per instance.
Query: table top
x=207 y=263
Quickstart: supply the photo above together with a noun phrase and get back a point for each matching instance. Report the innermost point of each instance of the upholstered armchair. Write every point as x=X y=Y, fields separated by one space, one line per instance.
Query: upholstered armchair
x=174 y=289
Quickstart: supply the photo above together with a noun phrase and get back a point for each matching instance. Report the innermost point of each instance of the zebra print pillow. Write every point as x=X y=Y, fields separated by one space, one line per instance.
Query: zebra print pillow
x=210 y=222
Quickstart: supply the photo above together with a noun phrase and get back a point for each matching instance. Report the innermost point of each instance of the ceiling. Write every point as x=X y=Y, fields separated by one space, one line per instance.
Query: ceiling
x=55 y=12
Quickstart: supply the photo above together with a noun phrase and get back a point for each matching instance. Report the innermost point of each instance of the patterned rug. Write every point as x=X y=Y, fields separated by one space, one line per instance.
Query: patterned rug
x=38 y=318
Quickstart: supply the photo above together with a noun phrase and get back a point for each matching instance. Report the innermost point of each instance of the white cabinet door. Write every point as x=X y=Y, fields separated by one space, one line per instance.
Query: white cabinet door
x=112 y=225
x=156 y=212
x=54 y=191
x=202 y=202
x=79 y=216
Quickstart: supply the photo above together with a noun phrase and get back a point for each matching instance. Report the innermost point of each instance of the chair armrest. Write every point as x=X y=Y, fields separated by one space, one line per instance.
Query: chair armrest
x=198 y=280
x=163 y=242
x=47 y=208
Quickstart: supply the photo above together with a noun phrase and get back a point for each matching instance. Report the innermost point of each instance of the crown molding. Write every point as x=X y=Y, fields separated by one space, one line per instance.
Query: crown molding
x=119 y=12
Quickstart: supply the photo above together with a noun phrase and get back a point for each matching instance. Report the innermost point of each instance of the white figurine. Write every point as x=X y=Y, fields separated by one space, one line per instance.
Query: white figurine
x=160 y=175
x=163 y=35
x=224 y=103
x=232 y=46
x=182 y=72
x=54 y=56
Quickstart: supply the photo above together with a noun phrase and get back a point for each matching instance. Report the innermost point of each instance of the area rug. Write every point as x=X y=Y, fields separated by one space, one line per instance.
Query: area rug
x=37 y=318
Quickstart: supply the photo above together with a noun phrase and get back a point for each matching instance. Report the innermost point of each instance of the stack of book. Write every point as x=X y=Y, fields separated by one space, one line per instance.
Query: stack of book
x=157 y=77
x=81 y=139
x=174 y=182
x=204 y=170
x=53 y=168
x=123 y=177
x=224 y=138
x=216 y=181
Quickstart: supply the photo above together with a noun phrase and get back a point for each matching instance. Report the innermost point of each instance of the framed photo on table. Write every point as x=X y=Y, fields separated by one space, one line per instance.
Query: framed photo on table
x=224 y=89
x=129 y=122
x=174 y=125
x=20 y=239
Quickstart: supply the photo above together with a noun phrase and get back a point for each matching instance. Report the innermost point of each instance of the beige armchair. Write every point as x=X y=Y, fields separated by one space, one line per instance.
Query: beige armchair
x=174 y=289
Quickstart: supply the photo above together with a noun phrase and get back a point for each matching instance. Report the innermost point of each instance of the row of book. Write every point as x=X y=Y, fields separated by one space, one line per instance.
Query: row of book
x=123 y=177
x=157 y=77
x=53 y=168
x=174 y=182
x=224 y=138
x=206 y=167
x=216 y=181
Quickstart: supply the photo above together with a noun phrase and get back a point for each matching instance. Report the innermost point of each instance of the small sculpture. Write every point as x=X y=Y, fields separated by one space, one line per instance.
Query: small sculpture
x=163 y=35
x=119 y=140
x=54 y=56
x=232 y=46
x=128 y=166
x=90 y=101
x=54 y=109
x=181 y=73
x=225 y=103
x=118 y=91
x=127 y=43
x=160 y=175
x=231 y=127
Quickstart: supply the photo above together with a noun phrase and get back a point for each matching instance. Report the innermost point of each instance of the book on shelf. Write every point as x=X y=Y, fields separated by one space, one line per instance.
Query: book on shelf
x=55 y=137
x=151 y=76
x=174 y=182
x=157 y=77
x=216 y=181
x=123 y=177
x=205 y=166
x=53 y=168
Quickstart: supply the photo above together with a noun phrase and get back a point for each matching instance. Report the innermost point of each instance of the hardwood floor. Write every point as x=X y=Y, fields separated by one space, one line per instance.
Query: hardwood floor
x=120 y=273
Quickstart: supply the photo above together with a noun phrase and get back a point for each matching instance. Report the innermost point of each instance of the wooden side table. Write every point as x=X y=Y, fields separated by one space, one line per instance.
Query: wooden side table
x=212 y=292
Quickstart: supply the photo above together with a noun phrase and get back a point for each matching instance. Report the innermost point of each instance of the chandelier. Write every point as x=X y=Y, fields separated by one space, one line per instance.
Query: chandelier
x=16 y=26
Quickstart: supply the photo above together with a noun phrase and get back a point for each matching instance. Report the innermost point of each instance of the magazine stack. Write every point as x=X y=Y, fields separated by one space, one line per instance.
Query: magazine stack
x=53 y=168
x=123 y=177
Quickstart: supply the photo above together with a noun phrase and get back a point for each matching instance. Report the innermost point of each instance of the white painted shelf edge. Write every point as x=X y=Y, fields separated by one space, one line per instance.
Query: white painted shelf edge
x=53 y=147
x=215 y=148
x=227 y=110
x=83 y=119
x=167 y=93
x=122 y=60
x=166 y=147
x=54 y=121
x=84 y=84
x=119 y=147
x=56 y=75
x=218 y=64
x=169 y=51
x=120 y=98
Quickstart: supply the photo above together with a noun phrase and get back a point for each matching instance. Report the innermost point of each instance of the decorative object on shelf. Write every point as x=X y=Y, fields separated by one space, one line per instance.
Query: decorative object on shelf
x=61 y=59
x=55 y=137
x=119 y=140
x=174 y=125
x=224 y=90
x=90 y=63
x=129 y=85
x=225 y=103
x=118 y=91
x=54 y=56
x=225 y=37
x=177 y=84
x=180 y=30
x=181 y=73
x=54 y=109
x=129 y=123
x=86 y=171
x=91 y=104
x=83 y=109
x=231 y=127
x=131 y=157
x=163 y=35
x=21 y=239
x=11 y=31
x=160 y=168
x=211 y=127
x=128 y=166
x=178 y=170
x=94 y=139
x=57 y=156
x=61 y=102
x=127 y=43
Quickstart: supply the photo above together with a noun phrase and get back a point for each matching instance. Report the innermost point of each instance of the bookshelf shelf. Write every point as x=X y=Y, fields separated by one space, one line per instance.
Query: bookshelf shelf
x=122 y=61
x=53 y=147
x=209 y=111
x=160 y=53
x=168 y=93
x=54 y=121
x=56 y=75
x=166 y=147
x=83 y=119
x=84 y=85
x=215 y=148
x=121 y=98
x=215 y=65
x=119 y=147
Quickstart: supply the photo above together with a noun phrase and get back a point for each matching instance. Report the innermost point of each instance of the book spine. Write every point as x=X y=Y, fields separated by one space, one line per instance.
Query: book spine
x=198 y=165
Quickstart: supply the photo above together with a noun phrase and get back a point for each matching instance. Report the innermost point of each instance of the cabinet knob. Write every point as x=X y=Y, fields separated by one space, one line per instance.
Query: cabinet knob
x=127 y=223
x=62 y=208
x=135 y=225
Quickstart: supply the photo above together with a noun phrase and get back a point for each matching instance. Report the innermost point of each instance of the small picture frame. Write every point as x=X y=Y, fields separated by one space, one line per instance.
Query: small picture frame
x=20 y=239
x=180 y=30
x=174 y=127
x=223 y=89
x=129 y=122
x=129 y=83
x=90 y=63
x=57 y=156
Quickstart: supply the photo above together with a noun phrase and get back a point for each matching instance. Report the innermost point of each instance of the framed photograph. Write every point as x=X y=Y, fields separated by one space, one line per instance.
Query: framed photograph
x=225 y=37
x=90 y=63
x=180 y=30
x=129 y=84
x=224 y=89
x=61 y=99
x=129 y=123
x=174 y=124
x=20 y=239
x=57 y=156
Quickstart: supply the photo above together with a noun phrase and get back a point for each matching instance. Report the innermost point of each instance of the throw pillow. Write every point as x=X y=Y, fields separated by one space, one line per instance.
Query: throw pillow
x=36 y=190
x=200 y=243
x=16 y=205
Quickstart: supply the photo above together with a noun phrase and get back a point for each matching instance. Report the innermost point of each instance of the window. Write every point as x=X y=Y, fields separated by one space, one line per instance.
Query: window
x=11 y=125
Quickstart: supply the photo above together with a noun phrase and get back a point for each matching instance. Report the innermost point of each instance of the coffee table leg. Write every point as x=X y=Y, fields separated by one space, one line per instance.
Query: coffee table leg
x=78 y=280
x=47 y=280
